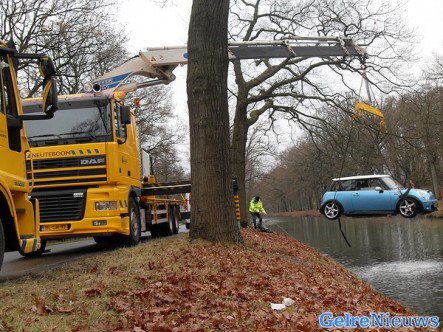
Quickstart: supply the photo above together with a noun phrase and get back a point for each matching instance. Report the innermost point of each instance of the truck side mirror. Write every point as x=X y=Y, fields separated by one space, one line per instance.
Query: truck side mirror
x=47 y=68
x=50 y=97
x=379 y=189
x=125 y=115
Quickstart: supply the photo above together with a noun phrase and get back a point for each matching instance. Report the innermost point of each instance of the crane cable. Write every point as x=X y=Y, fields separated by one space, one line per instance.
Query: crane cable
x=340 y=174
x=359 y=108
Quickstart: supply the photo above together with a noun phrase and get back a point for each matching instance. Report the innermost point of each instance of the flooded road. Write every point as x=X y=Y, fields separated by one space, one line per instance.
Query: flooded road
x=399 y=257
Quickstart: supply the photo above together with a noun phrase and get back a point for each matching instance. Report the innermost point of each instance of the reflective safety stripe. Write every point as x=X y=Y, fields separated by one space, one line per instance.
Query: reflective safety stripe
x=23 y=245
x=34 y=246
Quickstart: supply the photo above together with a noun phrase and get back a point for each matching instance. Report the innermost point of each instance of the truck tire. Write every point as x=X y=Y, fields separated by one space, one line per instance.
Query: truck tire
x=37 y=253
x=176 y=225
x=168 y=227
x=134 y=224
x=2 y=243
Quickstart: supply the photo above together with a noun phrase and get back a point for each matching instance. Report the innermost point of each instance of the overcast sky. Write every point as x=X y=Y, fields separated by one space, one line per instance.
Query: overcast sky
x=148 y=25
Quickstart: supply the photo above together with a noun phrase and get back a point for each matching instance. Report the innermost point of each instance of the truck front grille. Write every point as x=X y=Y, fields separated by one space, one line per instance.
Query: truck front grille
x=61 y=205
x=52 y=171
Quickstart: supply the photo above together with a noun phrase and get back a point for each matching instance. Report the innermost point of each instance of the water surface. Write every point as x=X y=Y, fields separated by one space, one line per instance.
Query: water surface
x=399 y=257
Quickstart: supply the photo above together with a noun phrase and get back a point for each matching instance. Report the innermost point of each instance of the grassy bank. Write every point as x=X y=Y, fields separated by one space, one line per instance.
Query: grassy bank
x=171 y=283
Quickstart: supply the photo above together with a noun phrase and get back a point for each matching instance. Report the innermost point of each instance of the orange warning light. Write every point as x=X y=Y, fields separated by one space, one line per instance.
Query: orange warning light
x=136 y=102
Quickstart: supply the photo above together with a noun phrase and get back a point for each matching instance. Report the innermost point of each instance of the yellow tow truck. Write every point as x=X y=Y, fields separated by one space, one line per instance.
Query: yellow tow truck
x=19 y=215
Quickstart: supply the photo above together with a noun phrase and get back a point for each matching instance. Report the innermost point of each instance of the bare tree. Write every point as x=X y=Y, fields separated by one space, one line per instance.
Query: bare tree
x=212 y=202
x=159 y=132
x=292 y=88
x=78 y=35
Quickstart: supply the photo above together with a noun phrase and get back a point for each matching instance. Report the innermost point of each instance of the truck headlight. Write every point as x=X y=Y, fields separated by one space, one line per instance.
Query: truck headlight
x=105 y=206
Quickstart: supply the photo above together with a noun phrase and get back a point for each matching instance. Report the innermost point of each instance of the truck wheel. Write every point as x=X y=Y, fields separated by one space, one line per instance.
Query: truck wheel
x=37 y=253
x=176 y=225
x=134 y=224
x=168 y=227
x=2 y=244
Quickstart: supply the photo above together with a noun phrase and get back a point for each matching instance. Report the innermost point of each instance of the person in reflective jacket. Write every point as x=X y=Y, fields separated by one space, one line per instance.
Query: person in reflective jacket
x=256 y=209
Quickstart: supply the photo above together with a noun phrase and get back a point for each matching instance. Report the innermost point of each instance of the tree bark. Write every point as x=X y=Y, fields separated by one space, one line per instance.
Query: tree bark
x=212 y=197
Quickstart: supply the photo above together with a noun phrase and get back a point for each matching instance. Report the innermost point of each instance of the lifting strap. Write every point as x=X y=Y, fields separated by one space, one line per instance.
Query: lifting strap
x=361 y=107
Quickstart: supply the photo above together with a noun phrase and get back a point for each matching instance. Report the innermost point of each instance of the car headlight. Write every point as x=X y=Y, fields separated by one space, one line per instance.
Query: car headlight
x=423 y=195
x=105 y=206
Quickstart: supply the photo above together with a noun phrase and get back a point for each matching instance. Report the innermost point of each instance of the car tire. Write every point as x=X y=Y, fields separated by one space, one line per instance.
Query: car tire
x=2 y=243
x=332 y=210
x=134 y=224
x=37 y=253
x=408 y=207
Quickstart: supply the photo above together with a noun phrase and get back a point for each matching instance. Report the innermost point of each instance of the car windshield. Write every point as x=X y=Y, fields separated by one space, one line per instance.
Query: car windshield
x=391 y=183
x=70 y=125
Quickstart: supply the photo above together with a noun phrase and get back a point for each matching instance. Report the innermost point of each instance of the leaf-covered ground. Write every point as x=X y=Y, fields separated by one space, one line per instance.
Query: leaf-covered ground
x=173 y=284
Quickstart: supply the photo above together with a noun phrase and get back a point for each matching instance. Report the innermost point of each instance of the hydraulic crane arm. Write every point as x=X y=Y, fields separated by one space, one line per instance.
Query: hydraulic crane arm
x=158 y=64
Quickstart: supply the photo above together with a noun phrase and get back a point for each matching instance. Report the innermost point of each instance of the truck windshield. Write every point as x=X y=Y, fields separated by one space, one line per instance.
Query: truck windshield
x=91 y=123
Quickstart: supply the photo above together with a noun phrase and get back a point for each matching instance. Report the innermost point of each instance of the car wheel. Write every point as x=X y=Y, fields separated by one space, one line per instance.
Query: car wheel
x=407 y=207
x=332 y=210
x=37 y=253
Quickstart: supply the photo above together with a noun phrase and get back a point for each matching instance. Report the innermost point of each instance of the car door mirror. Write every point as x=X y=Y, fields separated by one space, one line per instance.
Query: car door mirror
x=379 y=189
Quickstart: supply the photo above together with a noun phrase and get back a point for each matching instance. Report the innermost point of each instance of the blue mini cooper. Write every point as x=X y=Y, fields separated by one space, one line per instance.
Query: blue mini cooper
x=374 y=195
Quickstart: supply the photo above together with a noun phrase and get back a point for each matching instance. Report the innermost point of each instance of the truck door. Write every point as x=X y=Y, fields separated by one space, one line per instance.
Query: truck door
x=10 y=124
x=123 y=152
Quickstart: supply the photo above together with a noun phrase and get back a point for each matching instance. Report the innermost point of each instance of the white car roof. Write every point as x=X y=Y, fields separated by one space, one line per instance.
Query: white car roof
x=360 y=177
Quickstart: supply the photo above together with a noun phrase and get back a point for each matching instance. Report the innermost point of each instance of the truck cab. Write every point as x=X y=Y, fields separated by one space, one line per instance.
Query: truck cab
x=19 y=215
x=84 y=164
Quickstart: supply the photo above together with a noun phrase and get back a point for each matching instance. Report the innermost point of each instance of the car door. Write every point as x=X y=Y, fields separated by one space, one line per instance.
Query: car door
x=344 y=194
x=367 y=199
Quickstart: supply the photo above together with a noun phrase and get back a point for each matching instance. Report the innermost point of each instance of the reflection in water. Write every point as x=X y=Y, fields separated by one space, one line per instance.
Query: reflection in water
x=401 y=258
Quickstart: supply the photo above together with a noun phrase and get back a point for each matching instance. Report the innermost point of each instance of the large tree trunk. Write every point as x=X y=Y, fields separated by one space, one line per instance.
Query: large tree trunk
x=212 y=202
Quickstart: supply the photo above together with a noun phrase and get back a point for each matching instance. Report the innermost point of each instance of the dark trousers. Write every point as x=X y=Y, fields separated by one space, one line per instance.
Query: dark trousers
x=260 y=220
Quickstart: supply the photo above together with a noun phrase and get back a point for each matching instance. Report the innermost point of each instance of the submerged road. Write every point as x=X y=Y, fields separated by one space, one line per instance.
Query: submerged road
x=16 y=266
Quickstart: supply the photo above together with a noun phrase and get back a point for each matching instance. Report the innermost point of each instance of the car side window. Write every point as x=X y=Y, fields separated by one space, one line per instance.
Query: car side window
x=348 y=185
